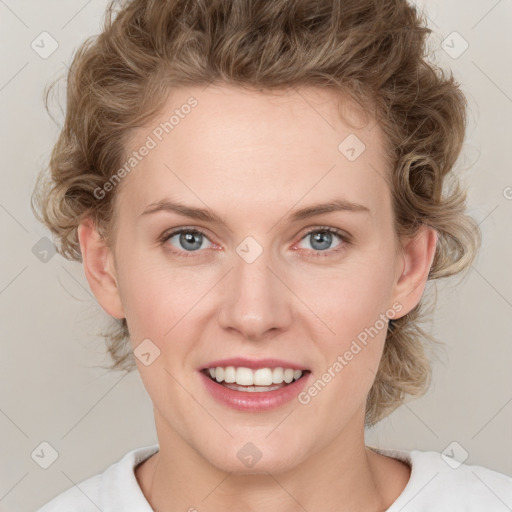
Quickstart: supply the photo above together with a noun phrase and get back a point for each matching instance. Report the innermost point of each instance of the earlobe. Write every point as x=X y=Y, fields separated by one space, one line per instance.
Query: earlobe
x=418 y=254
x=99 y=269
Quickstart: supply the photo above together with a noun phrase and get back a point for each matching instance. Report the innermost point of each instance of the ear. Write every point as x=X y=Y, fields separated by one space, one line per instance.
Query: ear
x=99 y=269
x=418 y=254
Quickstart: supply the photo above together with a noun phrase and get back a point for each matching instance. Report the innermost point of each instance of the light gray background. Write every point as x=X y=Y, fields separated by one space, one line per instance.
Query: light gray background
x=50 y=389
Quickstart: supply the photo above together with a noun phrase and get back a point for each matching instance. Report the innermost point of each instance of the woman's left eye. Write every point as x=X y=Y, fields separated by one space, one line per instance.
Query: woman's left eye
x=322 y=239
x=191 y=240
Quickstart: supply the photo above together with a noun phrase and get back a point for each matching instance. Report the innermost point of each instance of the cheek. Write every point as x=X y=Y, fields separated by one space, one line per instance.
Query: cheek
x=156 y=296
x=343 y=299
x=353 y=304
x=350 y=298
x=350 y=357
x=160 y=304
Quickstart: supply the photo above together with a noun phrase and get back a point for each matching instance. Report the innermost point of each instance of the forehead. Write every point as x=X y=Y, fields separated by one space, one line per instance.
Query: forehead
x=225 y=145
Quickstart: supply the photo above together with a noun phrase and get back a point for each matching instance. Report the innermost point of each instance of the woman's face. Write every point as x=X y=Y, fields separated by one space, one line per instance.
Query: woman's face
x=262 y=281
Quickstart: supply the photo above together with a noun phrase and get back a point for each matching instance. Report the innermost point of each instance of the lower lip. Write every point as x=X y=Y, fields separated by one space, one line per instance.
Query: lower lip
x=254 y=401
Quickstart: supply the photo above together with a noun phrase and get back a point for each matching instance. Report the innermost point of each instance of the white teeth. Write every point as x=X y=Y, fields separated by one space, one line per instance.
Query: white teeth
x=288 y=375
x=230 y=374
x=244 y=376
x=253 y=389
x=277 y=375
x=219 y=374
x=248 y=377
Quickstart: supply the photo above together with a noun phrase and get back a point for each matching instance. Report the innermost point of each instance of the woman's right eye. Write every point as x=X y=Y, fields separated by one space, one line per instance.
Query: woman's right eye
x=187 y=241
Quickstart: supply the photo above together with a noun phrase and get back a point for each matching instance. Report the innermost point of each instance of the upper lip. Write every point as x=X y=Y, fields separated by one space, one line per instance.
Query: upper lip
x=254 y=363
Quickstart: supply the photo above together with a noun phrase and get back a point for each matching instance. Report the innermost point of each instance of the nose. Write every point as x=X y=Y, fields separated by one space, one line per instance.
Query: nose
x=255 y=298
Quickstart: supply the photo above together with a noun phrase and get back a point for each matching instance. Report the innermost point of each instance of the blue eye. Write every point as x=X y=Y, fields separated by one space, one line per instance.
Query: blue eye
x=322 y=238
x=190 y=241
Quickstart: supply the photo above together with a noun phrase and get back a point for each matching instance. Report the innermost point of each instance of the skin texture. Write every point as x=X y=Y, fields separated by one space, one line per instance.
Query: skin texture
x=252 y=158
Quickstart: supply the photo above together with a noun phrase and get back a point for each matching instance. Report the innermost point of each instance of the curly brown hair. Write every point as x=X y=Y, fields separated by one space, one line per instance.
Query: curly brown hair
x=372 y=50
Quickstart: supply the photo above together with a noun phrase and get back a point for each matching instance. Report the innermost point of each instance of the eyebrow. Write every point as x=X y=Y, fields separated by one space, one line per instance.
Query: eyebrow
x=206 y=215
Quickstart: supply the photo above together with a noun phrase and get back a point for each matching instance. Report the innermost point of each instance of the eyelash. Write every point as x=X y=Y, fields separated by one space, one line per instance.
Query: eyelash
x=346 y=240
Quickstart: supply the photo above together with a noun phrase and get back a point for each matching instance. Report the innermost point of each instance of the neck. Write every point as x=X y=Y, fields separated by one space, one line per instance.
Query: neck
x=342 y=476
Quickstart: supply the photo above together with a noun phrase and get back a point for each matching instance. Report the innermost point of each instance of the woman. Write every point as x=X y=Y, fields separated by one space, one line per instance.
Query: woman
x=255 y=190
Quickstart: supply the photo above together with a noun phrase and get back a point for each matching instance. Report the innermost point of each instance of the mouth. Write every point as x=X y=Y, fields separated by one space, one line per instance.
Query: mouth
x=254 y=381
x=254 y=390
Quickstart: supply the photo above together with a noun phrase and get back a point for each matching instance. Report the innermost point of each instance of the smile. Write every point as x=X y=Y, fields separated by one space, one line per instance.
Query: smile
x=256 y=390
x=258 y=378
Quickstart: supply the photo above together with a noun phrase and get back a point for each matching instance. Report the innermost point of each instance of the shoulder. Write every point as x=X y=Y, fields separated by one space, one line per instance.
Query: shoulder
x=116 y=488
x=440 y=483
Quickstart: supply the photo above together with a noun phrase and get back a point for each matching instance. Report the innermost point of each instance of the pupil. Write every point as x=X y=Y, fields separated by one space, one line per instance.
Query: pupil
x=322 y=236
x=189 y=238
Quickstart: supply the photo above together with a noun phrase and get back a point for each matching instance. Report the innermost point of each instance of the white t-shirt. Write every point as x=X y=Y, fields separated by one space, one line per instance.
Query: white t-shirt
x=434 y=486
